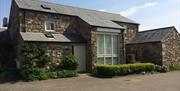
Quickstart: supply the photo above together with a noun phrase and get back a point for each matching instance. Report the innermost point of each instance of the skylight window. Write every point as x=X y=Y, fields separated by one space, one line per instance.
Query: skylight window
x=49 y=35
x=45 y=6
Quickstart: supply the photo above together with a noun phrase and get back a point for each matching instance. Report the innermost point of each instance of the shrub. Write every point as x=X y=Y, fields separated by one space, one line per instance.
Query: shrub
x=69 y=63
x=60 y=74
x=63 y=74
x=37 y=74
x=161 y=69
x=53 y=75
x=33 y=56
x=34 y=60
x=70 y=73
x=149 y=67
x=174 y=67
x=123 y=69
x=106 y=70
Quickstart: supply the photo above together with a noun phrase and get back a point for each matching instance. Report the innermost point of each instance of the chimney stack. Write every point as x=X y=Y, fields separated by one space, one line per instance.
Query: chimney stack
x=5 y=22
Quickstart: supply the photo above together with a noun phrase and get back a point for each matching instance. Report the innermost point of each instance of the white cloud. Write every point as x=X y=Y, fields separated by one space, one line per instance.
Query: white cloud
x=178 y=0
x=150 y=4
x=162 y=20
x=131 y=11
x=103 y=10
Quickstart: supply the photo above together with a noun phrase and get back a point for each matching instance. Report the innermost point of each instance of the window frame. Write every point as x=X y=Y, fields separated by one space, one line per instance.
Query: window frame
x=49 y=21
x=112 y=55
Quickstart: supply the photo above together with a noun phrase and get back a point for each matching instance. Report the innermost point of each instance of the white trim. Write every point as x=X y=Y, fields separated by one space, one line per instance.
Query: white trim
x=108 y=30
x=49 y=21
x=106 y=33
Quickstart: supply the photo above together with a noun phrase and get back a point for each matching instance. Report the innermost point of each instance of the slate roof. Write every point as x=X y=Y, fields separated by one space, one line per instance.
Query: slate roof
x=40 y=37
x=153 y=35
x=92 y=17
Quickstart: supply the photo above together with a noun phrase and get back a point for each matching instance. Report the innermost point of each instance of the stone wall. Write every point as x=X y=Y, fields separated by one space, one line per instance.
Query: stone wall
x=129 y=33
x=145 y=52
x=13 y=27
x=130 y=30
x=35 y=22
x=56 y=51
x=171 y=48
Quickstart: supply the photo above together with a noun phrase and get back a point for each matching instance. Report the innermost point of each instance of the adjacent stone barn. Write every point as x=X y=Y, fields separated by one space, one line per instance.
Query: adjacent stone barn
x=160 y=46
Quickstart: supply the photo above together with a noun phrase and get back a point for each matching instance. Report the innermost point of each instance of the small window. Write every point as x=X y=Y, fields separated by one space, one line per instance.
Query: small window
x=50 y=26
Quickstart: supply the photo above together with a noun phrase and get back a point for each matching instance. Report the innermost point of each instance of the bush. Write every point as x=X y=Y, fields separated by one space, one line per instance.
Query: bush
x=70 y=73
x=37 y=74
x=63 y=74
x=123 y=69
x=53 y=75
x=161 y=69
x=34 y=60
x=69 y=63
x=33 y=56
x=106 y=70
x=174 y=67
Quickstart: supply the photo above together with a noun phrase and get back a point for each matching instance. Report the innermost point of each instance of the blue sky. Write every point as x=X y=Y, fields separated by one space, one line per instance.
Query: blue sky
x=149 y=13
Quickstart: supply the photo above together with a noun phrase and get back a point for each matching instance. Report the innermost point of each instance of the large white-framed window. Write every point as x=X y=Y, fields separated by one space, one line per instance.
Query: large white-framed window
x=49 y=26
x=107 y=48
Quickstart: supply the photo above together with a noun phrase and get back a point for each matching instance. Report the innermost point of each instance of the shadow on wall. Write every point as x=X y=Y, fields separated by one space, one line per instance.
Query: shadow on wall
x=5 y=50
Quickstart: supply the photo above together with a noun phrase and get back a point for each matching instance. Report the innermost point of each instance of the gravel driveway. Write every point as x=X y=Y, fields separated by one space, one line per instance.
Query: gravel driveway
x=155 y=82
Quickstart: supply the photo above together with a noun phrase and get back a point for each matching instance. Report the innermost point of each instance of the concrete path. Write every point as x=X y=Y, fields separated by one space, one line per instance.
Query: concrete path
x=155 y=82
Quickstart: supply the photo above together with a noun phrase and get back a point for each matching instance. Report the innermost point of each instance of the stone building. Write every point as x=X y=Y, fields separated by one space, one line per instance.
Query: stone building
x=94 y=37
x=160 y=46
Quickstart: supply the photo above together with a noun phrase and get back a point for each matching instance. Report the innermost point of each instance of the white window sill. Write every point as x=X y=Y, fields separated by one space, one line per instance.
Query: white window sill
x=49 y=30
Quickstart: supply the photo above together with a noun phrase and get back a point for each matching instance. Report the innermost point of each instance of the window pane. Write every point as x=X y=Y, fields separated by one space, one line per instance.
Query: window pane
x=115 y=60
x=48 y=26
x=115 y=44
x=100 y=44
x=100 y=61
x=108 y=60
x=52 y=26
x=108 y=44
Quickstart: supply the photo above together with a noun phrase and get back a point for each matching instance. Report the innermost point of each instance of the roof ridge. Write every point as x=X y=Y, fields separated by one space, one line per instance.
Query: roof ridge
x=76 y=7
x=84 y=9
x=92 y=17
x=156 y=29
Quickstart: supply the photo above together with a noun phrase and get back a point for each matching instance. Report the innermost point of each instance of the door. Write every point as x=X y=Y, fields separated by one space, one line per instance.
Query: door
x=80 y=54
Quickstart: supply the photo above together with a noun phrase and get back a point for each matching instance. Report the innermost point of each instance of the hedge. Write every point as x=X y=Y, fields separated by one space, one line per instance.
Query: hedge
x=123 y=69
x=42 y=74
